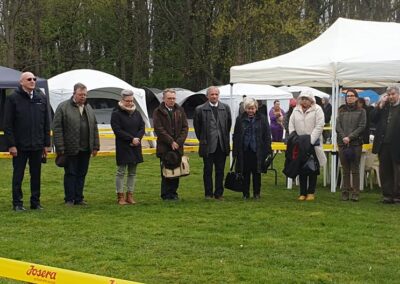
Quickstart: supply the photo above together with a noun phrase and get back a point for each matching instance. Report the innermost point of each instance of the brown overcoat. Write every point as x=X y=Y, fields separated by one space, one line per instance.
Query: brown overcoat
x=169 y=130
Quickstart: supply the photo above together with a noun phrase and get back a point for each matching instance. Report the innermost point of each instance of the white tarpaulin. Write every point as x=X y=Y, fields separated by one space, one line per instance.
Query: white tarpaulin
x=355 y=53
x=298 y=89
x=99 y=85
x=259 y=92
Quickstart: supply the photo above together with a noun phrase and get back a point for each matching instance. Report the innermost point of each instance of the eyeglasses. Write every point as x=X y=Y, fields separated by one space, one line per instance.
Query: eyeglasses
x=30 y=79
x=350 y=96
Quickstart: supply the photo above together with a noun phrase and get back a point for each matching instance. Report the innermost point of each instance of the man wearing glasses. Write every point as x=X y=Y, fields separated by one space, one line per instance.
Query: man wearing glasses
x=27 y=132
x=76 y=137
x=386 y=115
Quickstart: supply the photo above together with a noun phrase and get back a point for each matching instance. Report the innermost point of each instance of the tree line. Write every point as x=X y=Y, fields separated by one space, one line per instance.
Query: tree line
x=163 y=43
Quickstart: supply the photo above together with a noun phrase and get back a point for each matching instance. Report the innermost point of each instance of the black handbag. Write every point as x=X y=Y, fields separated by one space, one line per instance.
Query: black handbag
x=233 y=180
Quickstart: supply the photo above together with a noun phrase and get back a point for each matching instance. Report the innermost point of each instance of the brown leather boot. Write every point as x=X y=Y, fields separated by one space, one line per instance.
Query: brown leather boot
x=121 y=199
x=129 y=198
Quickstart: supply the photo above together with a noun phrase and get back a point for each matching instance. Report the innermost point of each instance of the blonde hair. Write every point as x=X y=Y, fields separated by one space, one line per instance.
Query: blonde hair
x=250 y=102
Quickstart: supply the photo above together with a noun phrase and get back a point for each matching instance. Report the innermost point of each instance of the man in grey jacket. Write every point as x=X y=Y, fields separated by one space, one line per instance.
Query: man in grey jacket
x=76 y=136
x=212 y=123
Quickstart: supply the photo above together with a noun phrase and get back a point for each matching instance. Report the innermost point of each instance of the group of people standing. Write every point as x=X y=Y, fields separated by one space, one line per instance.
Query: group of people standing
x=76 y=139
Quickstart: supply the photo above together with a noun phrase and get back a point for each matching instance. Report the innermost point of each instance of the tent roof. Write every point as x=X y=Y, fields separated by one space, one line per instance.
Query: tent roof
x=9 y=79
x=298 y=89
x=356 y=53
x=257 y=91
x=99 y=84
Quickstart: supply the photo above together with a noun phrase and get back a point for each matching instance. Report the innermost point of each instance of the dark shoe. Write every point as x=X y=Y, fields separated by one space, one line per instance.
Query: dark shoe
x=387 y=201
x=37 y=207
x=355 y=197
x=345 y=196
x=396 y=200
x=19 y=208
x=208 y=197
x=82 y=203
x=69 y=203
x=257 y=196
x=220 y=198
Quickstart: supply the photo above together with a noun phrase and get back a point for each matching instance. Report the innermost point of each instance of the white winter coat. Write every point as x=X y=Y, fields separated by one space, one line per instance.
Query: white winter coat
x=311 y=122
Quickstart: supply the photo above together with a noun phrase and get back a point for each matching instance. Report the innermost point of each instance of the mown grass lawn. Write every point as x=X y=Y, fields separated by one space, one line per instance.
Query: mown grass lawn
x=273 y=240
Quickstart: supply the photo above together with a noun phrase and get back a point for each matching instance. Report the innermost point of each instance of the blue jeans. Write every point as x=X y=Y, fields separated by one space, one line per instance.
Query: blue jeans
x=75 y=170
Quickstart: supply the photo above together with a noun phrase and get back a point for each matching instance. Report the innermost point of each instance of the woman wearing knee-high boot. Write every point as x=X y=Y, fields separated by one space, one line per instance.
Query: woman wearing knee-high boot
x=128 y=127
x=350 y=125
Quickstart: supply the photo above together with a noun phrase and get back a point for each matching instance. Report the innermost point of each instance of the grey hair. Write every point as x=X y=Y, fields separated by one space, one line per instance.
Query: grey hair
x=212 y=88
x=126 y=93
x=169 y=90
x=250 y=102
x=394 y=88
x=79 y=86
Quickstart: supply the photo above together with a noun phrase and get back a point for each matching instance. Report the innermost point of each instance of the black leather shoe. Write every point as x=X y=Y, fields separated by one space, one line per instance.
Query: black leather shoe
x=19 y=208
x=82 y=203
x=37 y=207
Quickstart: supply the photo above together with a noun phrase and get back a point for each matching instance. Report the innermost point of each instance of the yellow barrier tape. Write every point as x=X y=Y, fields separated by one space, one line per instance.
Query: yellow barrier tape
x=276 y=146
x=36 y=273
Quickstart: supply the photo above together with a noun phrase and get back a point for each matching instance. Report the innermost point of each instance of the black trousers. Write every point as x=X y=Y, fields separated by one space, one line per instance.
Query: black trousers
x=389 y=172
x=217 y=159
x=308 y=183
x=169 y=186
x=250 y=168
x=35 y=166
x=75 y=170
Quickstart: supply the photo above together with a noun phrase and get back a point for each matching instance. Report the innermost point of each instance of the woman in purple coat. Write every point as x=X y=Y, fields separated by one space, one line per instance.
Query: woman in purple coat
x=276 y=115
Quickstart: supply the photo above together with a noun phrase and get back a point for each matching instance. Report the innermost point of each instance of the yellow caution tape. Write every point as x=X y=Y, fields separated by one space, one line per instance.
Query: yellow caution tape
x=36 y=273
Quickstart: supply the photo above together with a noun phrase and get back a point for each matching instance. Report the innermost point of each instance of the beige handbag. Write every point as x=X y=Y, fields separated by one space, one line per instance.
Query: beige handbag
x=183 y=170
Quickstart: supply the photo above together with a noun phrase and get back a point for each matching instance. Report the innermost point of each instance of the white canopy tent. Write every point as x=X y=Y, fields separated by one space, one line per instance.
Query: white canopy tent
x=298 y=89
x=256 y=91
x=350 y=53
x=99 y=85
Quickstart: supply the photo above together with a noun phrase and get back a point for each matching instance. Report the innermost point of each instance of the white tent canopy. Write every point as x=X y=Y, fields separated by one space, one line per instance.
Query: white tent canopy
x=99 y=85
x=256 y=91
x=350 y=53
x=299 y=89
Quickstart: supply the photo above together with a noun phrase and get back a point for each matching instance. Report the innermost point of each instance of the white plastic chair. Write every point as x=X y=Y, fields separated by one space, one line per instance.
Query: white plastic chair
x=372 y=169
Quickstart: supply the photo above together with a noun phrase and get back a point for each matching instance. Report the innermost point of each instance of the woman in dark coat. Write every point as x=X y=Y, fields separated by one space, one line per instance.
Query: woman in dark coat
x=128 y=127
x=251 y=146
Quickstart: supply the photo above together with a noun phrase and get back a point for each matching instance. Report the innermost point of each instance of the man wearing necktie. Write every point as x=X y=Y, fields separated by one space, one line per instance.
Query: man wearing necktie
x=27 y=132
x=212 y=123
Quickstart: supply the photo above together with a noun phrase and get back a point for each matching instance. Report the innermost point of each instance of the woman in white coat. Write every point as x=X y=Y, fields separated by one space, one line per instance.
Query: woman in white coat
x=308 y=119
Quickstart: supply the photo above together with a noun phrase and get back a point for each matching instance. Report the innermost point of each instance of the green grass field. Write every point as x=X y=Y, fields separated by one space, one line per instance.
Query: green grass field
x=276 y=239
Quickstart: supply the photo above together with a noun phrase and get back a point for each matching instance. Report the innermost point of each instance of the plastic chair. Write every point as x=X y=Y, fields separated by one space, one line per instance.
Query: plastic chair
x=371 y=167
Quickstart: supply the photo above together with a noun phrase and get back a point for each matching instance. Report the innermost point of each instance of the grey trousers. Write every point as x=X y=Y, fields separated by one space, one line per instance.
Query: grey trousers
x=130 y=181
x=351 y=168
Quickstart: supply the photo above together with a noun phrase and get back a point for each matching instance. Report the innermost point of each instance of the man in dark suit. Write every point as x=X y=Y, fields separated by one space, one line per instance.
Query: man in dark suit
x=212 y=123
x=27 y=131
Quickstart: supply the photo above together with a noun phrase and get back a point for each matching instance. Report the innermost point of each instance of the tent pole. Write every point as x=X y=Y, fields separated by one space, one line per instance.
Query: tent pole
x=233 y=125
x=335 y=104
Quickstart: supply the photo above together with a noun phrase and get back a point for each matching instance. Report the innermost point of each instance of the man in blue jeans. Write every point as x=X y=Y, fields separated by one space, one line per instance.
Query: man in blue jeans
x=76 y=136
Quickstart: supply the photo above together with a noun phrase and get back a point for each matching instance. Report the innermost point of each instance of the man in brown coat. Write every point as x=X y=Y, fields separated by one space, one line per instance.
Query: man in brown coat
x=171 y=128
